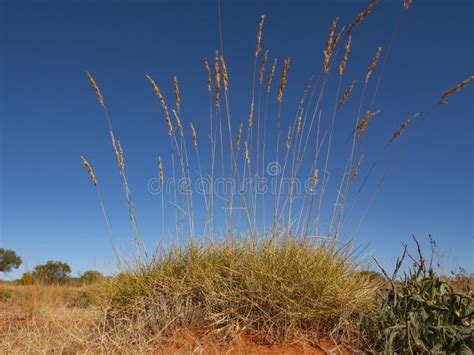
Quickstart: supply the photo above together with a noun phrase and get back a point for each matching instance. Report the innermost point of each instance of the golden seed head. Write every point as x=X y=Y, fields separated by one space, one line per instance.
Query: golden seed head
x=217 y=77
x=258 y=49
x=193 y=133
x=89 y=170
x=121 y=160
x=347 y=49
x=96 y=89
x=283 y=80
x=406 y=4
x=329 y=45
x=178 y=122
x=373 y=64
x=262 y=66
x=208 y=71
x=225 y=77
x=315 y=180
x=346 y=94
x=403 y=126
x=176 y=94
x=362 y=126
x=160 y=168
x=454 y=89
x=361 y=16
x=271 y=74
x=355 y=171
x=239 y=136
x=163 y=103
x=251 y=114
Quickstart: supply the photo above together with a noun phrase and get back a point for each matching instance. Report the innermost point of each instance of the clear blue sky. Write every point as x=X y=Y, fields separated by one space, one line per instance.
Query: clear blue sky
x=49 y=115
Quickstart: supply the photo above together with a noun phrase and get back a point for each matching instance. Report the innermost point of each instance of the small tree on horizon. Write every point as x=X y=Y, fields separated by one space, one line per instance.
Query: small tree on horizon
x=90 y=277
x=53 y=272
x=9 y=260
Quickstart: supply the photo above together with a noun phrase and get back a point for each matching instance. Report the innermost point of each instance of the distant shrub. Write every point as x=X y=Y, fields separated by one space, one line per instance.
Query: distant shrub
x=90 y=277
x=9 y=260
x=26 y=279
x=53 y=272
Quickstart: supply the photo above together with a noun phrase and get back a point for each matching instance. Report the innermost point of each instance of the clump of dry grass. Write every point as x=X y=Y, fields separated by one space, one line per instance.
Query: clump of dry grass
x=273 y=289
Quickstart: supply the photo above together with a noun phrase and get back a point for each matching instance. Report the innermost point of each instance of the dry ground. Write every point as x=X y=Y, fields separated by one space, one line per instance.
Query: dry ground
x=60 y=320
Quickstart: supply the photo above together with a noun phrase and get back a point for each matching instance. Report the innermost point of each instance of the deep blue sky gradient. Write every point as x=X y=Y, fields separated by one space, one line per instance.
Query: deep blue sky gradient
x=49 y=115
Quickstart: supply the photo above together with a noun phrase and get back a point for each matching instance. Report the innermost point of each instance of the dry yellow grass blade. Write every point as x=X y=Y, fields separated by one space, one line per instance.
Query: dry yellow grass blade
x=176 y=94
x=361 y=16
x=403 y=126
x=271 y=74
x=346 y=94
x=163 y=103
x=193 y=133
x=329 y=45
x=454 y=89
x=209 y=76
x=347 y=49
x=373 y=64
x=89 y=170
x=258 y=49
x=96 y=89
x=283 y=81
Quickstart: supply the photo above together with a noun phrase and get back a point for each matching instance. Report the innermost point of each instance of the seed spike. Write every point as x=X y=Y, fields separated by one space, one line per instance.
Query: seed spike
x=283 y=80
x=209 y=76
x=224 y=75
x=96 y=89
x=193 y=133
x=403 y=126
x=454 y=89
x=160 y=168
x=262 y=66
x=163 y=103
x=373 y=64
x=258 y=49
x=347 y=49
x=271 y=74
x=176 y=94
x=346 y=94
x=217 y=77
x=89 y=170
x=361 y=16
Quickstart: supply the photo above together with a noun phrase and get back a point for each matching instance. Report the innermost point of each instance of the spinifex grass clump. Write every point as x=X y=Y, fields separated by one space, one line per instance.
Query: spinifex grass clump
x=422 y=313
x=272 y=290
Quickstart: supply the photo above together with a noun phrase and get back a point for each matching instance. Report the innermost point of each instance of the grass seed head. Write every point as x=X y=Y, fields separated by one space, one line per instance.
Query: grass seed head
x=329 y=45
x=163 y=103
x=271 y=74
x=225 y=77
x=407 y=4
x=239 y=136
x=403 y=126
x=347 y=49
x=314 y=182
x=178 y=122
x=176 y=94
x=288 y=140
x=454 y=89
x=362 y=126
x=193 y=133
x=209 y=75
x=373 y=64
x=247 y=155
x=96 y=89
x=160 y=168
x=262 y=66
x=283 y=81
x=89 y=170
x=217 y=77
x=251 y=113
x=346 y=94
x=360 y=17
x=258 y=49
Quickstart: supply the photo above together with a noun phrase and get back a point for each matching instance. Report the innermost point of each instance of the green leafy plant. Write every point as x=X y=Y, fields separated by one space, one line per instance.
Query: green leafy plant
x=420 y=312
x=9 y=260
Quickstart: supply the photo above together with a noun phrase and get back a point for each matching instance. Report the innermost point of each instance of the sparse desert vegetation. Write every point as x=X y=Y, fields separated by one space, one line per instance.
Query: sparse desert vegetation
x=248 y=270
